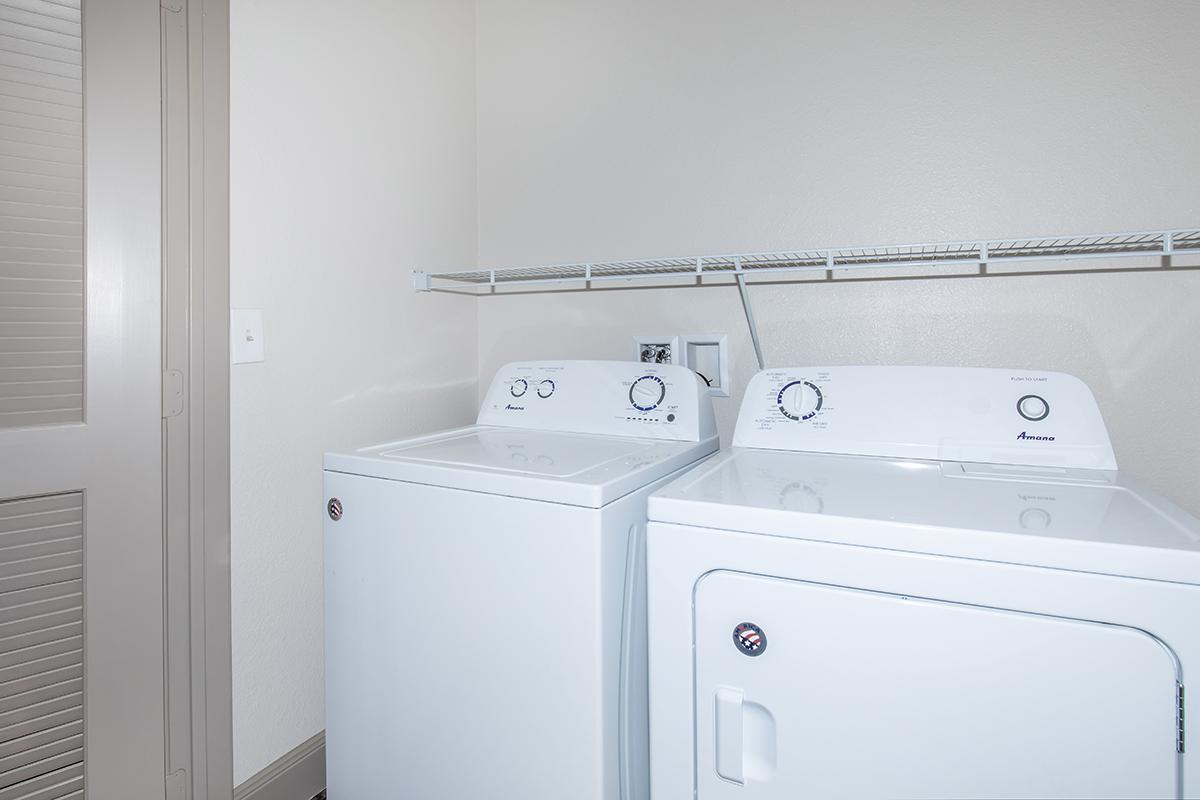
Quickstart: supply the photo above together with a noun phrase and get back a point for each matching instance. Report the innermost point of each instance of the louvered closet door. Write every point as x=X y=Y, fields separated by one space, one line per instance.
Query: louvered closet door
x=81 y=607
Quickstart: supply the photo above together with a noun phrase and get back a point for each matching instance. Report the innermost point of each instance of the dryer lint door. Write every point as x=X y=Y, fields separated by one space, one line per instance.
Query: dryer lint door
x=811 y=691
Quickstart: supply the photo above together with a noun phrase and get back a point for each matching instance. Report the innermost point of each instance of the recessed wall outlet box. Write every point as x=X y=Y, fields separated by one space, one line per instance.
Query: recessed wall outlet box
x=656 y=349
x=707 y=354
x=246 y=336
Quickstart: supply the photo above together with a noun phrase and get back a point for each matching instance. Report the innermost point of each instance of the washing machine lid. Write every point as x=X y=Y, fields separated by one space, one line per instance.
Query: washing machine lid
x=581 y=433
x=570 y=468
x=1063 y=517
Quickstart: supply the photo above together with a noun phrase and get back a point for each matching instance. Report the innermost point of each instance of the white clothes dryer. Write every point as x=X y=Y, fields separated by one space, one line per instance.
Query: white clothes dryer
x=920 y=583
x=484 y=589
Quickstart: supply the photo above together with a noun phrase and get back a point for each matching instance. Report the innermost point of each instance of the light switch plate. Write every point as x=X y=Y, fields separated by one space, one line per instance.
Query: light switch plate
x=246 y=336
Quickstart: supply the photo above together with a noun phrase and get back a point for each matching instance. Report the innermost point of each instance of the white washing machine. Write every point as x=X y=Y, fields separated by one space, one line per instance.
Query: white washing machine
x=484 y=590
x=920 y=583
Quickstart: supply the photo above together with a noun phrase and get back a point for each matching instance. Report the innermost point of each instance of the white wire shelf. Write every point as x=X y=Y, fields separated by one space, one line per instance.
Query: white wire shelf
x=935 y=257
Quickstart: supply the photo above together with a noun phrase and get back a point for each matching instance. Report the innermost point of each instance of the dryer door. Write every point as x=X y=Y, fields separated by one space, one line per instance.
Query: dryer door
x=805 y=691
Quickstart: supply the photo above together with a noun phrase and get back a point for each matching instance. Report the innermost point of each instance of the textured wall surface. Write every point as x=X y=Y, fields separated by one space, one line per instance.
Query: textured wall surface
x=676 y=128
x=353 y=160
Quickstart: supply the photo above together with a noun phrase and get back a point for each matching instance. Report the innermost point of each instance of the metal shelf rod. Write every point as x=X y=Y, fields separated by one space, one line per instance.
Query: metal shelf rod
x=934 y=257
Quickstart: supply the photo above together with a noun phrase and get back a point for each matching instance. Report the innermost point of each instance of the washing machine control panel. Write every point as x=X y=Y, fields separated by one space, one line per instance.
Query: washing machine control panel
x=942 y=413
x=657 y=401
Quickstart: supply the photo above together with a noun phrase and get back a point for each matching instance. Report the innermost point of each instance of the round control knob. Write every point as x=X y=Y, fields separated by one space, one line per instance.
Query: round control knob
x=800 y=400
x=647 y=392
x=545 y=388
x=1034 y=519
x=1033 y=408
x=519 y=387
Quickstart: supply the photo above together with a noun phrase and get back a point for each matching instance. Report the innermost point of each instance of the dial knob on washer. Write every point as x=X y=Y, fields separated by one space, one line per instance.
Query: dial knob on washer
x=519 y=387
x=545 y=388
x=647 y=392
x=799 y=400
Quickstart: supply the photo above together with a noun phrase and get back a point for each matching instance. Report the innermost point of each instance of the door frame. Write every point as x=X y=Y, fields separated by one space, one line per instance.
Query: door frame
x=196 y=524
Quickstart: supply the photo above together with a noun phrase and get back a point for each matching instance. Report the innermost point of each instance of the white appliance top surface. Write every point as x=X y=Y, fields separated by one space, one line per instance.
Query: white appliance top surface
x=575 y=432
x=571 y=468
x=1070 y=518
x=542 y=453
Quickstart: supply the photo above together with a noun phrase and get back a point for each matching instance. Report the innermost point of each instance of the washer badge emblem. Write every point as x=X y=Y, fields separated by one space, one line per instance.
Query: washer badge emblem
x=334 y=508
x=750 y=639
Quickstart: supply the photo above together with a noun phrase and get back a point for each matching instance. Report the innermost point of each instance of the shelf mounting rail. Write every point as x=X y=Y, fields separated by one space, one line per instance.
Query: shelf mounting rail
x=928 y=259
x=933 y=258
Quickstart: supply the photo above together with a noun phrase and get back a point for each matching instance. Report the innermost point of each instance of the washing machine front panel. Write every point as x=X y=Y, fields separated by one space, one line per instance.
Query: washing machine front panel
x=462 y=655
x=843 y=692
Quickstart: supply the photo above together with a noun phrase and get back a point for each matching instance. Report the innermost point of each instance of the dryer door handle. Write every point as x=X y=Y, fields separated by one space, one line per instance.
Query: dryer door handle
x=745 y=738
x=729 y=734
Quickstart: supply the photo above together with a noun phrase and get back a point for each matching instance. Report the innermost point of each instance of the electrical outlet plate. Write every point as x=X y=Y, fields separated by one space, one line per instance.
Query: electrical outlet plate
x=657 y=349
x=708 y=355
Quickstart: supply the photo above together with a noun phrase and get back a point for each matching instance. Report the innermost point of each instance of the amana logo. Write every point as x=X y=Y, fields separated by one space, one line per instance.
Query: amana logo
x=1024 y=435
x=511 y=407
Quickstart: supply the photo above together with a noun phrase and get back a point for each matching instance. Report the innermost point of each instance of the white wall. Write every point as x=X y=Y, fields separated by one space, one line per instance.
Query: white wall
x=629 y=129
x=353 y=161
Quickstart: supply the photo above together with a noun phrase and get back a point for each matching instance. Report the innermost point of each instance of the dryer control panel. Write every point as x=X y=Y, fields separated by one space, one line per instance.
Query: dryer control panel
x=996 y=416
x=613 y=398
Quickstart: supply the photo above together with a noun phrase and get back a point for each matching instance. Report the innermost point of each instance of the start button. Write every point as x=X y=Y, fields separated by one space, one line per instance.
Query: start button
x=1033 y=408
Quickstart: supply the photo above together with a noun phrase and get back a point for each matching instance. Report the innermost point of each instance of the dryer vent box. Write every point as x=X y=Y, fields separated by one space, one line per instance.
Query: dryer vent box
x=708 y=355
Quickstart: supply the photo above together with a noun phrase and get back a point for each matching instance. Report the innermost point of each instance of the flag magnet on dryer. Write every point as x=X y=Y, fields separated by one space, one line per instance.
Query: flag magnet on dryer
x=750 y=639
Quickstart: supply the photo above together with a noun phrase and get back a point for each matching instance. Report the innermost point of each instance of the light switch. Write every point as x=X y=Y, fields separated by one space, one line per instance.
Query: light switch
x=246 y=335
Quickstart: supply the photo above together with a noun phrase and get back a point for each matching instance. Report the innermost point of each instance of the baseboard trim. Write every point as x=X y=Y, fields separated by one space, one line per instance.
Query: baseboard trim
x=298 y=774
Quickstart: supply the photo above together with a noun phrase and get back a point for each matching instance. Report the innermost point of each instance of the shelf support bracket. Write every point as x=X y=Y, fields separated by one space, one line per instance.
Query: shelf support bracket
x=746 y=307
x=422 y=281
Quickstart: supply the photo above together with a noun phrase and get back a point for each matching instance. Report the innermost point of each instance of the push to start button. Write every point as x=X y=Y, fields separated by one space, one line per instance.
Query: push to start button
x=1033 y=408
